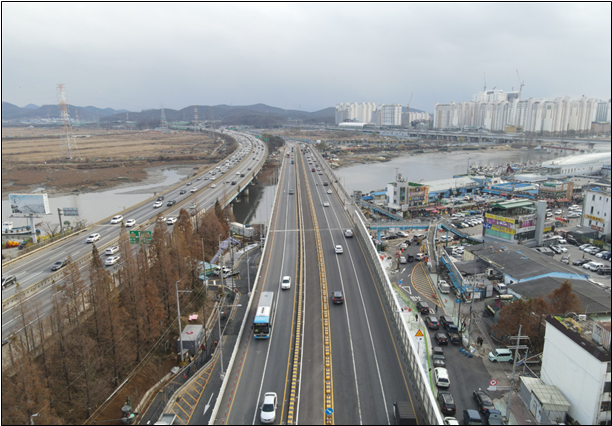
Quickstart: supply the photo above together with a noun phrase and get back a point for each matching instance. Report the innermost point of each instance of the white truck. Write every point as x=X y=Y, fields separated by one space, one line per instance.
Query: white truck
x=444 y=287
x=501 y=288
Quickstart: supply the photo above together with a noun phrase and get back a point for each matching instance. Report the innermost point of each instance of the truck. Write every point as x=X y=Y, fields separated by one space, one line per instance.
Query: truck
x=444 y=287
x=453 y=334
x=501 y=288
x=403 y=413
x=166 y=419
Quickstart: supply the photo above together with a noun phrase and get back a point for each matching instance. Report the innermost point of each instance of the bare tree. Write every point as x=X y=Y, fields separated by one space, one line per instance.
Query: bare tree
x=51 y=229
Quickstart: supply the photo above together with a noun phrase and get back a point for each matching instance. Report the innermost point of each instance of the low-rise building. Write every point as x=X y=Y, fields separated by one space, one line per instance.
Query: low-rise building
x=597 y=209
x=556 y=190
x=511 y=221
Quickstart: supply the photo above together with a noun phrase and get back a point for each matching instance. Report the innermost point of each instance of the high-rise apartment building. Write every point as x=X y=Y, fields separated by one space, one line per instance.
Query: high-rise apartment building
x=358 y=112
x=391 y=115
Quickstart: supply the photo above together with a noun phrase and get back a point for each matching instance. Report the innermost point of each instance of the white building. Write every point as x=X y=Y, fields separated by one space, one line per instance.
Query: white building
x=576 y=359
x=597 y=209
x=390 y=115
x=358 y=112
x=577 y=164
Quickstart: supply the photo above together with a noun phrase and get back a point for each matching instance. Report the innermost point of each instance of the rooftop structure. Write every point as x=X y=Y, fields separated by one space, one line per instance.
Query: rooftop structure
x=577 y=164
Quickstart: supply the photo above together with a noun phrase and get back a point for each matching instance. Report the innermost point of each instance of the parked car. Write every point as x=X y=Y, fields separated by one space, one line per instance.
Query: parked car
x=555 y=249
x=59 y=264
x=580 y=262
x=93 y=238
x=338 y=298
x=441 y=377
x=447 y=402
x=483 y=400
x=116 y=219
x=602 y=254
x=438 y=357
x=604 y=271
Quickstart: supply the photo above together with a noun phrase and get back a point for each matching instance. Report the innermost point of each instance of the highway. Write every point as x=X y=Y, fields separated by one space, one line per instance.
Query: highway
x=35 y=268
x=368 y=371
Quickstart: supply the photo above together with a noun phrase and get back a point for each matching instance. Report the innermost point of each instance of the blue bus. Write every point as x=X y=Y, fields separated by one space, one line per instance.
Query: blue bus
x=264 y=316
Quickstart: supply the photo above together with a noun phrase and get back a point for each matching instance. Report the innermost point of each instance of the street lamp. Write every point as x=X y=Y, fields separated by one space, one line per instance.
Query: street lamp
x=178 y=309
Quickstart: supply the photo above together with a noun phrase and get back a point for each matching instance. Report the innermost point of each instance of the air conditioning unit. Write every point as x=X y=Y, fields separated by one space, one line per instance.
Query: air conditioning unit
x=582 y=317
x=490 y=272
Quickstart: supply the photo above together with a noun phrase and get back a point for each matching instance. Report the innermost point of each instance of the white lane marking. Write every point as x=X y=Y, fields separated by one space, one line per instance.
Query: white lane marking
x=208 y=405
x=346 y=310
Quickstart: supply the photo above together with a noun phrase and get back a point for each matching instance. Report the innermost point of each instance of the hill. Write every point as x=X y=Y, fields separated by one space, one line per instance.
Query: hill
x=33 y=112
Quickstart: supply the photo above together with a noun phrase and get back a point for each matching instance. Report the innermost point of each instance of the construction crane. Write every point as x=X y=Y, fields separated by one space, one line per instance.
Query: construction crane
x=485 y=81
x=408 y=109
x=521 y=84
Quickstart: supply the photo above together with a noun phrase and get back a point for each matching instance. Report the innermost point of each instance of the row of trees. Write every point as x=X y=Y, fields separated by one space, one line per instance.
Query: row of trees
x=103 y=327
x=530 y=314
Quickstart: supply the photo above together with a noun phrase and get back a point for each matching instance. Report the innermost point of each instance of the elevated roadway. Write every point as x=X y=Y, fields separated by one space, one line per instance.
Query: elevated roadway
x=33 y=271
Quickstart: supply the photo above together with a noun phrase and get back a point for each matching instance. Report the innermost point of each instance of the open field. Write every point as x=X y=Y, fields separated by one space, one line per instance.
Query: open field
x=31 y=157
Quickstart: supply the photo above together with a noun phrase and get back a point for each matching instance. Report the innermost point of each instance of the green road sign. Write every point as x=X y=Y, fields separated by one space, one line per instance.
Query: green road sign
x=137 y=237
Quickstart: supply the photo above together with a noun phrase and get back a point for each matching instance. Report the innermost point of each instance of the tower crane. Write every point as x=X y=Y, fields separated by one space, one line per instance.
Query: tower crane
x=521 y=84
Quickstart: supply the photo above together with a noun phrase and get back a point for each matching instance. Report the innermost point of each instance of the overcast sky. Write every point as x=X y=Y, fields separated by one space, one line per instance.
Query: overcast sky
x=300 y=56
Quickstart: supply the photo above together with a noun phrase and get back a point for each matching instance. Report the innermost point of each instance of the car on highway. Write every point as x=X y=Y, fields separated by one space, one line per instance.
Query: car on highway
x=59 y=264
x=157 y=204
x=199 y=178
x=268 y=409
x=326 y=204
x=93 y=238
x=194 y=189
x=338 y=298
x=338 y=249
x=171 y=203
x=483 y=400
x=171 y=221
x=111 y=250
x=286 y=283
x=447 y=402
x=329 y=191
x=291 y=192
x=441 y=338
x=213 y=186
x=116 y=219
x=8 y=280
x=432 y=322
x=182 y=191
x=130 y=223
x=160 y=198
x=348 y=233
x=112 y=260
x=321 y=173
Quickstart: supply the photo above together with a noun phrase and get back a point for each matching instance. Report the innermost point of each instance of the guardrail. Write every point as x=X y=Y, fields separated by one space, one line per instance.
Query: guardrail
x=427 y=403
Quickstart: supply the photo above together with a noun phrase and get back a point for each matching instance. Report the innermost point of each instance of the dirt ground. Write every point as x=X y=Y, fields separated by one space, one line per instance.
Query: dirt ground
x=31 y=157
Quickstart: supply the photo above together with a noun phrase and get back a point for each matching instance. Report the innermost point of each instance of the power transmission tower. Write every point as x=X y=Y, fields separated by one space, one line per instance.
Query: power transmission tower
x=196 y=125
x=68 y=146
x=164 y=124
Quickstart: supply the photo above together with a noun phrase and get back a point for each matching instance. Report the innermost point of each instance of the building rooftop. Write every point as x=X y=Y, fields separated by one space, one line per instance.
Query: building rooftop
x=520 y=262
x=595 y=300
x=549 y=396
x=578 y=159
x=592 y=336
x=444 y=184
x=513 y=204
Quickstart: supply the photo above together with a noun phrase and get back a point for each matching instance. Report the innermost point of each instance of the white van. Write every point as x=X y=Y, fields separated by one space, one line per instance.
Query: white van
x=500 y=355
x=441 y=377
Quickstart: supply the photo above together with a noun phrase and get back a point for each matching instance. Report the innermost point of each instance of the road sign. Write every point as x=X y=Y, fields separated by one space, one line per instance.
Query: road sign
x=329 y=411
x=419 y=333
x=493 y=382
x=401 y=282
x=71 y=211
x=137 y=237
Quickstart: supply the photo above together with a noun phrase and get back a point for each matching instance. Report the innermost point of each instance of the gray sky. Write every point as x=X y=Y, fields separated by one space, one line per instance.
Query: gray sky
x=300 y=56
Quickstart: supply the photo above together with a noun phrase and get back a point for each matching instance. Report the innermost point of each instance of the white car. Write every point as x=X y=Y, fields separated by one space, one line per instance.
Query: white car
x=563 y=249
x=111 y=250
x=450 y=421
x=348 y=233
x=213 y=186
x=157 y=204
x=589 y=265
x=194 y=189
x=558 y=212
x=326 y=204
x=92 y=238
x=112 y=260
x=268 y=409
x=329 y=191
x=171 y=221
x=419 y=256
x=338 y=249
x=130 y=223
x=286 y=283
x=116 y=219
x=161 y=219
x=562 y=241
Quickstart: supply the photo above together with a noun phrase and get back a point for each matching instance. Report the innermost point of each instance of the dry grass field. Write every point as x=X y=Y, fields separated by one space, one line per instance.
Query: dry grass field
x=31 y=157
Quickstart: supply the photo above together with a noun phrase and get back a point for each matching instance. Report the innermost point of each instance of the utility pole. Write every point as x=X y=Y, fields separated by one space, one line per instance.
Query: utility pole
x=516 y=355
x=178 y=309
x=59 y=213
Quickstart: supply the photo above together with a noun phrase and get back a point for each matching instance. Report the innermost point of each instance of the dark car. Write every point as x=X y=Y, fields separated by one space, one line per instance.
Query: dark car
x=338 y=298
x=604 y=271
x=483 y=400
x=447 y=402
x=8 y=280
x=59 y=264
x=432 y=322
x=160 y=198
x=171 y=203
x=182 y=192
x=446 y=320
x=441 y=338
x=580 y=262
x=438 y=357
x=423 y=308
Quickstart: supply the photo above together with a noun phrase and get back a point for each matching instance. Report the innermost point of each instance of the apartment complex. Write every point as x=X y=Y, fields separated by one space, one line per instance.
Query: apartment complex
x=495 y=110
x=367 y=112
